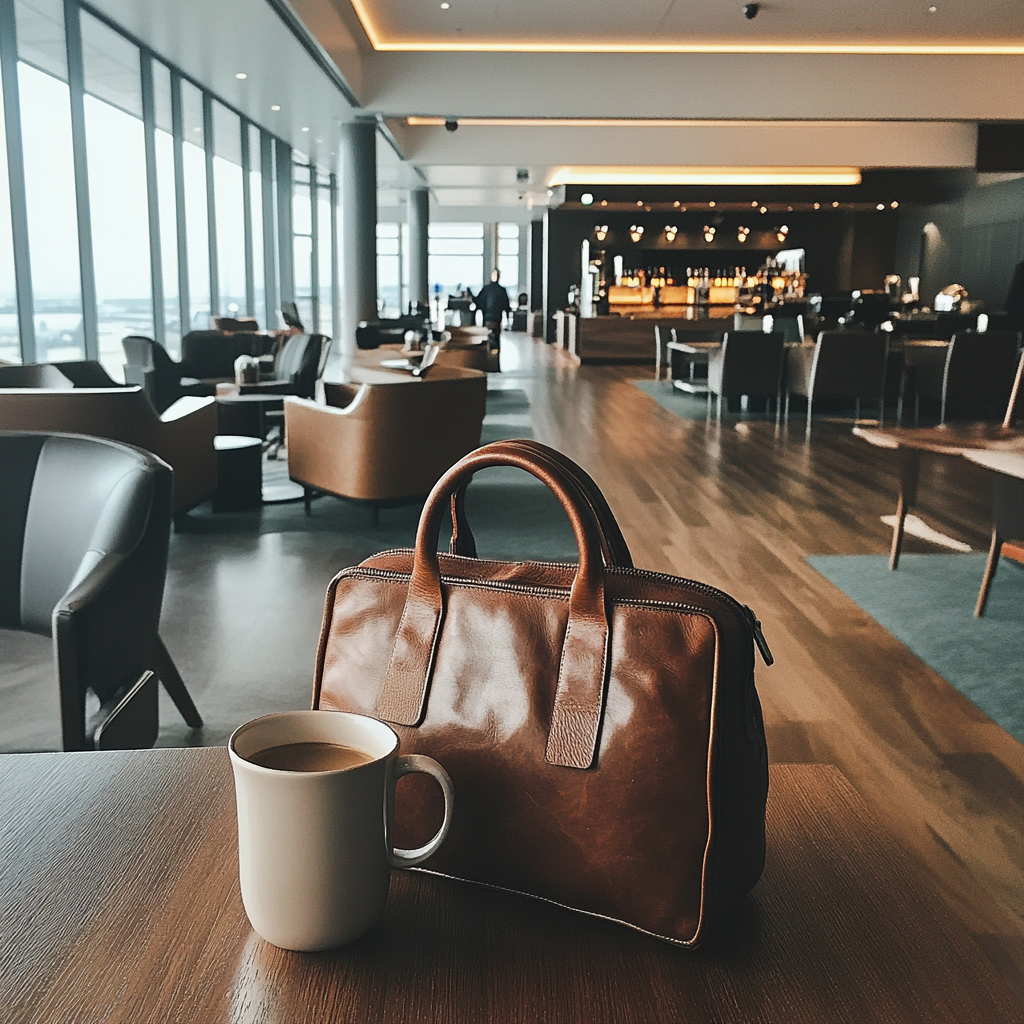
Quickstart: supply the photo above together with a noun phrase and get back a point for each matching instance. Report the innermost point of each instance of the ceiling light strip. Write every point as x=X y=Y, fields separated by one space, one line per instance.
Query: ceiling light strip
x=430 y=121
x=705 y=176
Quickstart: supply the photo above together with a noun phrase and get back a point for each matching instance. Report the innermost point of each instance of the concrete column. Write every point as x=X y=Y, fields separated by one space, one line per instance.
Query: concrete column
x=359 y=230
x=419 y=220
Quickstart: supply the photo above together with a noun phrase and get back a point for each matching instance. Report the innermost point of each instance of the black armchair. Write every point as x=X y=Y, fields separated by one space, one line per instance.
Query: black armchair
x=163 y=380
x=84 y=532
x=34 y=375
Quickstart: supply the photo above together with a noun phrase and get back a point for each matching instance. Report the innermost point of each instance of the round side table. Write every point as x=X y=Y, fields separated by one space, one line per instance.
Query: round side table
x=239 y=473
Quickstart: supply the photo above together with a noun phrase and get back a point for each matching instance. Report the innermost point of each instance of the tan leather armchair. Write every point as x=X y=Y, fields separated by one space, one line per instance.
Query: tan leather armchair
x=386 y=438
x=182 y=436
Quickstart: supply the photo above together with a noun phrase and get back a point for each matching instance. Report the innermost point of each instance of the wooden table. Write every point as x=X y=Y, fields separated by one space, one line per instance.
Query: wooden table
x=120 y=903
x=949 y=439
x=693 y=353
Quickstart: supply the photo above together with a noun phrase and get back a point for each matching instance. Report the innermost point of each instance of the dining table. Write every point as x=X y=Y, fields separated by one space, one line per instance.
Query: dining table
x=120 y=902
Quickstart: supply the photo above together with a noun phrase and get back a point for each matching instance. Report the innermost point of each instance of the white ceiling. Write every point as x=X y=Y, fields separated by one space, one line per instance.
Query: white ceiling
x=569 y=24
x=853 y=109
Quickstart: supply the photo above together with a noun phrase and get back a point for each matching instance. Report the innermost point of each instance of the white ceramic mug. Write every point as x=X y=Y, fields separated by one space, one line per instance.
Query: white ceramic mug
x=314 y=848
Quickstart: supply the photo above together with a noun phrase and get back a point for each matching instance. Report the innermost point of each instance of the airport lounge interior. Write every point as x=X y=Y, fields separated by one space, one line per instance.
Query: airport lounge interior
x=614 y=412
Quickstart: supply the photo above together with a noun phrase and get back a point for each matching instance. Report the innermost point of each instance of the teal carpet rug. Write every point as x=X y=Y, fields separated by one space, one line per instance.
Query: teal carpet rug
x=928 y=604
x=690 y=407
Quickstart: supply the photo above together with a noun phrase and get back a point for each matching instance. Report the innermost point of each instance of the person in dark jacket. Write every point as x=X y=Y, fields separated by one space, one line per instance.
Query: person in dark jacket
x=493 y=300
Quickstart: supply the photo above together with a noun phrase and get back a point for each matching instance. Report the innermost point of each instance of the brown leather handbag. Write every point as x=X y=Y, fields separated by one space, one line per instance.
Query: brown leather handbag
x=599 y=722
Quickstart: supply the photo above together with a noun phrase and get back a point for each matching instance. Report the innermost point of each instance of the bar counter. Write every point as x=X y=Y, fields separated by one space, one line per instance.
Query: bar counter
x=628 y=337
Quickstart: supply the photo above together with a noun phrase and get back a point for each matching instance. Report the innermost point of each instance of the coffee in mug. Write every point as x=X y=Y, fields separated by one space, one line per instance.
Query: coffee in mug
x=310 y=757
x=315 y=792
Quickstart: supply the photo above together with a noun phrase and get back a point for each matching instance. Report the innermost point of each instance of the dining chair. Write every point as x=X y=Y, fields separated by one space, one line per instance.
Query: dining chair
x=841 y=365
x=978 y=375
x=748 y=363
x=83 y=559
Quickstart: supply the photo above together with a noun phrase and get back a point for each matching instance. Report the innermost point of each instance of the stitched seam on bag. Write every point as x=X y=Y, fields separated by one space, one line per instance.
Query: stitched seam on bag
x=565 y=906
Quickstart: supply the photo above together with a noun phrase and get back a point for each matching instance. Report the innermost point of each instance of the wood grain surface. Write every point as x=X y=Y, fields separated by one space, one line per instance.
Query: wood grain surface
x=120 y=903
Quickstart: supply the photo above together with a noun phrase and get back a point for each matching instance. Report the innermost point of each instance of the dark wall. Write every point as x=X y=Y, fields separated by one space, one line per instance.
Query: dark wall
x=975 y=241
x=845 y=249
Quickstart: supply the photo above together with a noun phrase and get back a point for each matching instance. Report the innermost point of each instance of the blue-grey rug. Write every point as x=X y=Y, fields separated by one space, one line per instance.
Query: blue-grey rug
x=928 y=604
x=695 y=407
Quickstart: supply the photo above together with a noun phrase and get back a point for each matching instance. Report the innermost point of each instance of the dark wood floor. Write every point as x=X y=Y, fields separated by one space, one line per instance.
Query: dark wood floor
x=739 y=506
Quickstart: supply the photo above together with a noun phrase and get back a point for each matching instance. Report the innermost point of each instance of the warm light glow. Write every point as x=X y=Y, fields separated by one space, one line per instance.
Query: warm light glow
x=704 y=176
x=709 y=233
x=636 y=232
x=671 y=230
x=741 y=234
x=601 y=231
x=378 y=42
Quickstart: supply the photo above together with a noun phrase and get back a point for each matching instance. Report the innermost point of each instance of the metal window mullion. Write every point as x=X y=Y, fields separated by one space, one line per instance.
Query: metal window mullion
x=16 y=182
x=250 y=273
x=285 y=241
x=211 y=205
x=314 y=238
x=156 y=262
x=269 y=236
x=180 y=213
x=76 y=89
x=335 y=269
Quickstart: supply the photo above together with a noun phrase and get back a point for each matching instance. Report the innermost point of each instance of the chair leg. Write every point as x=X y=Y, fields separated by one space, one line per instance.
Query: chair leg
x=785 y=415
x=708 y=404
x=719 y=408
x=807 y=432
x=163 y=665
x=307 y=500
x=990 y=571
x=856 y=409
x=910 y=471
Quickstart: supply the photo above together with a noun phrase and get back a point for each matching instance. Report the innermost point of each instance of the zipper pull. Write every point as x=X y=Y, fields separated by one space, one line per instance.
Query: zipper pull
x=762 y=644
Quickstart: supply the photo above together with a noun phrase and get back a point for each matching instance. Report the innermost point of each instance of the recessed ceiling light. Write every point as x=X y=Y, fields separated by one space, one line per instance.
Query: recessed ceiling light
x=604 y=202
x=880 y=206
x=835 y=206
x=587 y=198
x=305 y=129
x=932 y=10
x=711 y=204
x=894 y=204
x=241 y=75
x=638 y=175
x=444 y=7
x=276 y=106
x=764 y=209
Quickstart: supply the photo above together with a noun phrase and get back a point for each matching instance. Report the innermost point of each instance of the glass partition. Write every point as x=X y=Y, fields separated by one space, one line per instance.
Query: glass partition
x=389 y=269
x=164 y=146
x=227 y=178
x=10 y=342
x=456 y=257
x=115 y=147
x=49 y=180
x=196 y=221
x=508 y=258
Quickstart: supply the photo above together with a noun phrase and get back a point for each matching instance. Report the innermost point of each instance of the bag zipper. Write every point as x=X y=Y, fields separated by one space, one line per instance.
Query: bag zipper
x=742 y=611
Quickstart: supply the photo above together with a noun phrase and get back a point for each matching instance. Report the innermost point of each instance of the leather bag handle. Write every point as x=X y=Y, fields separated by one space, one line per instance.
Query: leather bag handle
x=613 y=544
x=579 y=694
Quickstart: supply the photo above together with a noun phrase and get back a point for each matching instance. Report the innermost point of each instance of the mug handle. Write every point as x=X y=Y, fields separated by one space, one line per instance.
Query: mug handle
x=428 y=766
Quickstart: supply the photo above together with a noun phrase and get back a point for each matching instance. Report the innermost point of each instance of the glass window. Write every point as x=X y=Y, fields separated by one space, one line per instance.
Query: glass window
x=325 y=288
x=115 y=149
x=40 y=28
x=196 y=224
x=10 y=346
x=256 y=221
x=455 y=257
x=227 y=184
x=168 y=211
x=51 y=212
x=508 y=257
x=302 y=230
x=389 y=269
